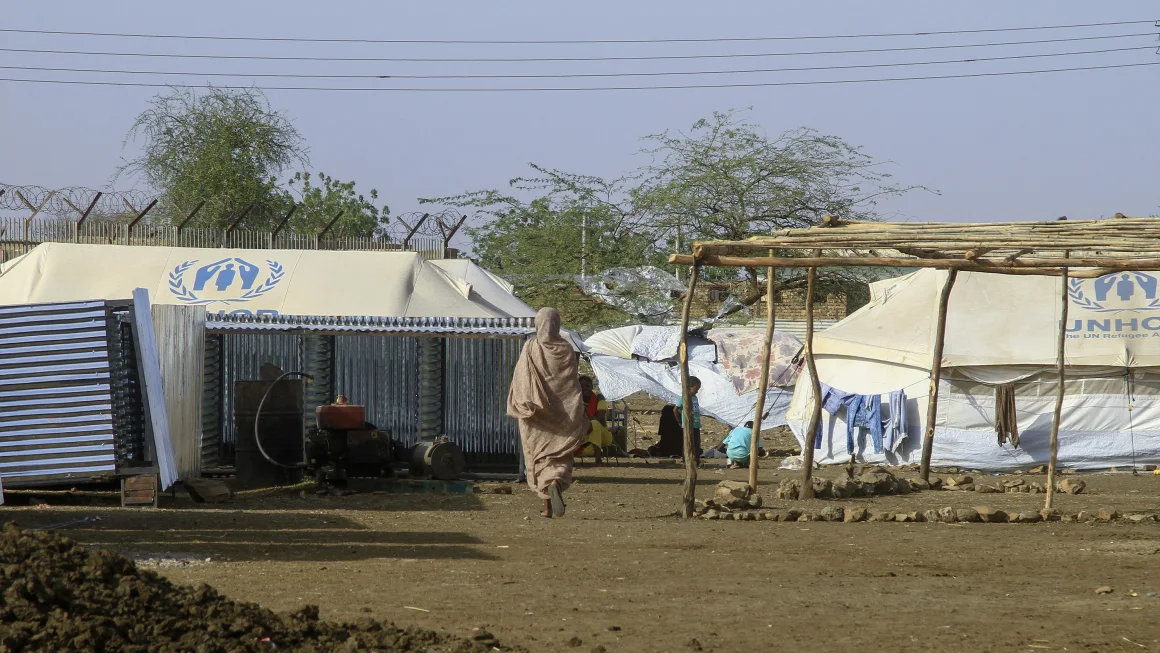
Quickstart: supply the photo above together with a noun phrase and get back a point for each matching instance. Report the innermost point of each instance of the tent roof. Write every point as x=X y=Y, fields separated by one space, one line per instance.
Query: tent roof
x=1004 y=320
x=269 y=282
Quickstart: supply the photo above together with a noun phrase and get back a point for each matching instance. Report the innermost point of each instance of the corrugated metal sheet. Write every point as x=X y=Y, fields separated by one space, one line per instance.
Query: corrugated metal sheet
x=496 y=327
x=181 y=353
x=56 y=400
x=211 y=404
x=479 y=374
x=382 y=374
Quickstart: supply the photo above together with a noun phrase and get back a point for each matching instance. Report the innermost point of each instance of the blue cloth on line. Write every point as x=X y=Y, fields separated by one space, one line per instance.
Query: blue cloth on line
x=864 y=411
x=896 y=425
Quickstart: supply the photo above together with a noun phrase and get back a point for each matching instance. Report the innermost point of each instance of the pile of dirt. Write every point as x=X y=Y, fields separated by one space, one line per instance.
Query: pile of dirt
x=56 y=595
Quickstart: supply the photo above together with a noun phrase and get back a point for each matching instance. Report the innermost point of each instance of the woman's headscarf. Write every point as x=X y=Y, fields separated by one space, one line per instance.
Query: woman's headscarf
x=546 y=386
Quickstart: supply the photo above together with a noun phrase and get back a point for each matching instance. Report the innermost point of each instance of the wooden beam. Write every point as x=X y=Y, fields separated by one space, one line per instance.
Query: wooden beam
x=936 y=373
x=980 y=265
x=763 y=384
x=236 y=222
x=451 y=234
x=811 y=435
x=412 y=230
x=689 y=497
x=149 y=207
x=1059 y=371
x=189 y=217
x=330 y=224
x=88 y=210
x=289 y=214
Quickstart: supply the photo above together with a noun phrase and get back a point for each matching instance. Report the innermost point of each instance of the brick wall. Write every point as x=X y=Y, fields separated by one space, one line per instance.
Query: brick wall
x=790 y=304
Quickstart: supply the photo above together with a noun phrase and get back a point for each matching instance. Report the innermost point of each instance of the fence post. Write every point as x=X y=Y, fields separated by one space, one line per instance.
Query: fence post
x=234 y=225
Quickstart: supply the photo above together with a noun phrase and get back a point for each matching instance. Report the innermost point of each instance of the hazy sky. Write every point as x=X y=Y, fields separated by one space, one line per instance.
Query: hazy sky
x=1082 y=144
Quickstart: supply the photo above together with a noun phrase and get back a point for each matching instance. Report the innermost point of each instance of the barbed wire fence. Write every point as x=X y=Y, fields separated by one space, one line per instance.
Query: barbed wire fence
x=31 y=215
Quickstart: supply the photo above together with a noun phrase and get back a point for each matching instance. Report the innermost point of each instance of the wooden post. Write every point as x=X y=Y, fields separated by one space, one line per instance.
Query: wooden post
x=330 y=224
x=936 y=373
x=807 y=491
x=687 y=401
x=1059 y=368
x=763 y=384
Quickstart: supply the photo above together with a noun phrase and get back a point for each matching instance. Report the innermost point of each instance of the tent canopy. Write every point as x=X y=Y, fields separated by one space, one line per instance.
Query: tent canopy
x=261 y=282
x=1003 y=320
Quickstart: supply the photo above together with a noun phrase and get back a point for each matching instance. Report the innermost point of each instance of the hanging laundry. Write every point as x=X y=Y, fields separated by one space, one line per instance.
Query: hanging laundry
x=1006 y=418
x=864 y=411
x=896 y=427
x=833 y=400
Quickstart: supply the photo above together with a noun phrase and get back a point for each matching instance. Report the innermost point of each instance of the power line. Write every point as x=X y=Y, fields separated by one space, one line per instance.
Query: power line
x=591 y=88
x=173 y=55
x=574 y=75
x=567 y=42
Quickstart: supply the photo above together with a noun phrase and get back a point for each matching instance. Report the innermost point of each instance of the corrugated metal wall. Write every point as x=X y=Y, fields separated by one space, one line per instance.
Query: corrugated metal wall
x=56 y=400
x=478 y=374
x=381 y=372
x=181 y=355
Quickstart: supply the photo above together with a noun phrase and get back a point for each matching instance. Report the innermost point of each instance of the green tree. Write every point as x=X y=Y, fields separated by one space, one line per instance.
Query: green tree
x=319 y=204
x=228 y=147
x=578 y=224
x=726 y=180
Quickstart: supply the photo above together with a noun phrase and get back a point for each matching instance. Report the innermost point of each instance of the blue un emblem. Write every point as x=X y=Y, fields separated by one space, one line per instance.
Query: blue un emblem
x=228 y=281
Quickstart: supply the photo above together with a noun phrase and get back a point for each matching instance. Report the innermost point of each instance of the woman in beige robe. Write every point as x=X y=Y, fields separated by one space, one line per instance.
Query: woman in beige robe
x=545 y=398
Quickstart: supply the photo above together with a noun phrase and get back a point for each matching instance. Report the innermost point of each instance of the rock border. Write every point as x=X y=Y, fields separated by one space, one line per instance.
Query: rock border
x=946 y=515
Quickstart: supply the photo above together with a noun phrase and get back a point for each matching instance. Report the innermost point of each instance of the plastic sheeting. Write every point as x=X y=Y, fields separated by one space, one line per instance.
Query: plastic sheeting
x=1109 y=419
x=614 y=342
x=619 y=378
x=646 y=292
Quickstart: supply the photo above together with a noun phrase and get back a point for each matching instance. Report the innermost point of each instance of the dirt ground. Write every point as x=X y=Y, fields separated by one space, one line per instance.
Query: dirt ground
x=617 y=573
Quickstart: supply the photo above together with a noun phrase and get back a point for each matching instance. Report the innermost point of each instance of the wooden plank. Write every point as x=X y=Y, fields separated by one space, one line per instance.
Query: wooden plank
x=1021 y=266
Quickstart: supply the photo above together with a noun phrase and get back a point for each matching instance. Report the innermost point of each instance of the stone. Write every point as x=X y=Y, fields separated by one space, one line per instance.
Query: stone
x=1025 y=489
x=844 y=489
x=599 y=649
x=1014 y=482
x=1083 y=516
x=755 y=501
x=990 y=515
x=1036 y=488
x=902 y=517
x=881 y=481
x=936 y=483
x=1067 y=519
x=983 y=488
x=1106 y=589
x=694 y=645
x=1137 y=518
x=1051 y=514
x=1025 y=518
x=967 y=487
x=916 y=517
x=822 y=488
x=946 y=515
x=503 y=489
x=727 y=489
x=790 y=488
x=759 y=516
x=967 y=515
x=748 y=516
x=575 y=642
x=711 y=514
x=1108 y=514
x=773 y=516
x=831 y=513
x=807 y=516
x=791 y=515
x=959 y=480
x=854 y=515
x=918 y=485
x=737 y=516
x=207 y=490
x=1039 y=469
x=930 y=516
x=878 y=515
x=1071 y=486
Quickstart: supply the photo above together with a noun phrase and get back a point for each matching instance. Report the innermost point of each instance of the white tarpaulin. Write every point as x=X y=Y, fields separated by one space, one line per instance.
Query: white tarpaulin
x=614 y=342
x=619 y=378
x=1001 y=329
x=261 y=282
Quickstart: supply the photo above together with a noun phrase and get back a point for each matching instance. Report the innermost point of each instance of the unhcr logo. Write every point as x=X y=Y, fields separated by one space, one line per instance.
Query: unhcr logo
x=228 y=281
x=1119 y=292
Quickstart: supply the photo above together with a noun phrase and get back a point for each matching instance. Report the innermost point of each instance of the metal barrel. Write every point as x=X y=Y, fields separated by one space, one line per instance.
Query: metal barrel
x=281 y=430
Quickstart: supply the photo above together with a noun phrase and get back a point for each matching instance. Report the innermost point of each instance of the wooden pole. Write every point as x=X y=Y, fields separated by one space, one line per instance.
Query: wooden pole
x=1059 y=367
x=811 y=434
x=1041 y=266
x=936 y=373
x=763 y=384
x=687 y=401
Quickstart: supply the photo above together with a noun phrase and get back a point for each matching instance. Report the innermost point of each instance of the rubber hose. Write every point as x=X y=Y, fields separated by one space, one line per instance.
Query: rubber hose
x=258 y=418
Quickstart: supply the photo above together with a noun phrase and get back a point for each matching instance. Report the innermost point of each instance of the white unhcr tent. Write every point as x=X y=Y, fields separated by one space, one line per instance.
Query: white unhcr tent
x=1000 y=329
x=261 y=282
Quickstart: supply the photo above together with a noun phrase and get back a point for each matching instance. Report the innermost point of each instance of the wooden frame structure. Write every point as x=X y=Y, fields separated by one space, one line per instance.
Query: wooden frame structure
x=1061 y=248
